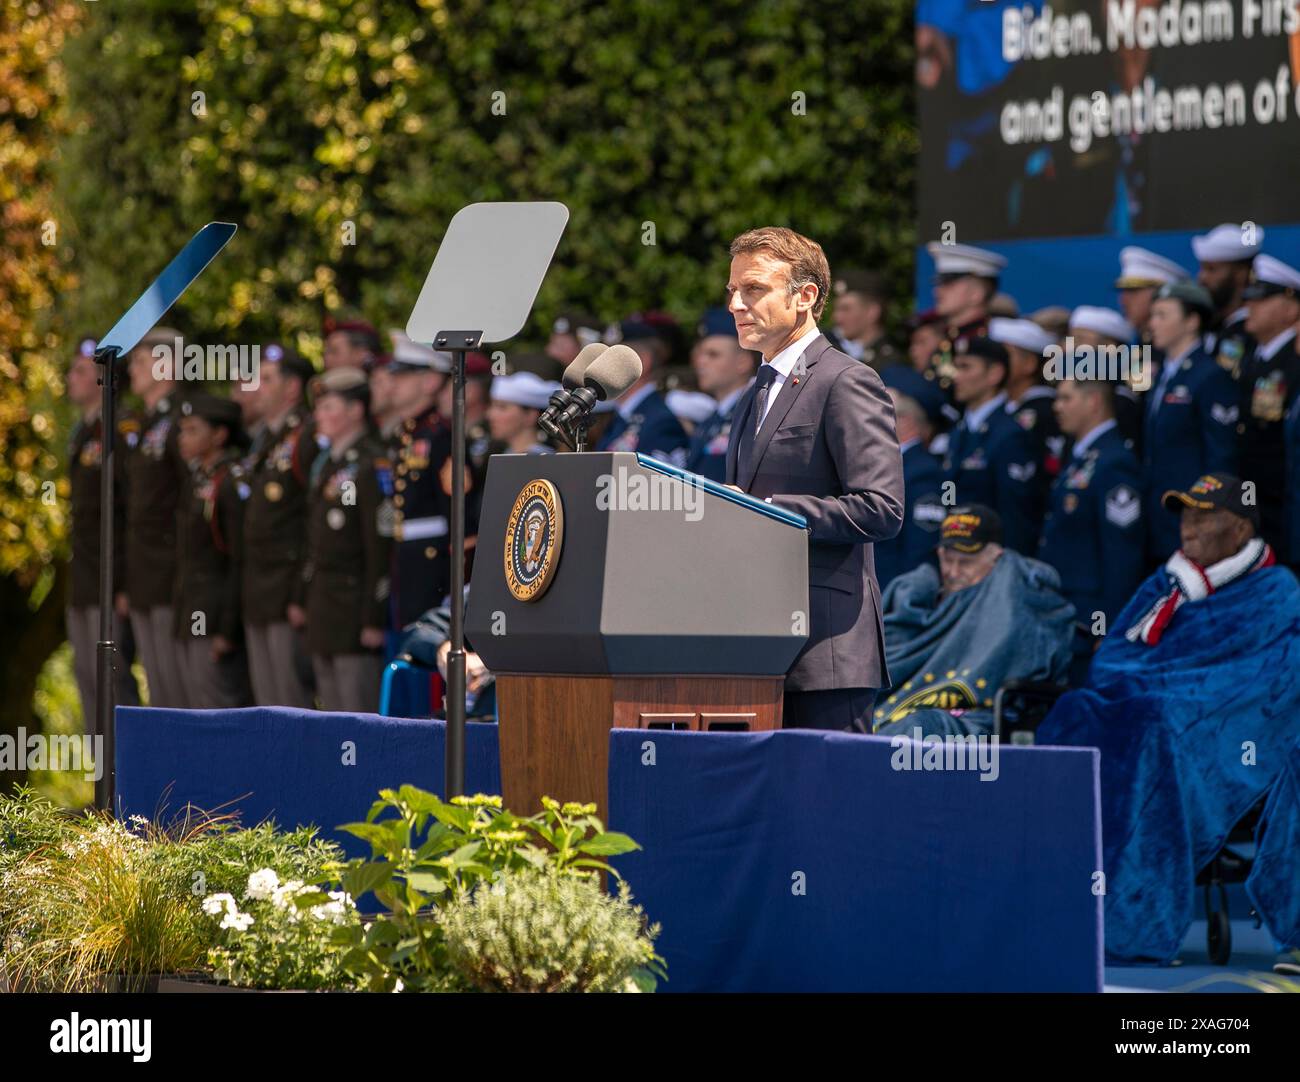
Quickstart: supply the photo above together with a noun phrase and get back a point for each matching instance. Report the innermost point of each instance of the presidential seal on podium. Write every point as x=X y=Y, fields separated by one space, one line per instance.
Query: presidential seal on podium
x=534 y=536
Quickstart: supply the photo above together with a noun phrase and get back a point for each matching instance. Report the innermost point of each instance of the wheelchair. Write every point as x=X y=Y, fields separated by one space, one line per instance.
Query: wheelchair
x=1020 y=706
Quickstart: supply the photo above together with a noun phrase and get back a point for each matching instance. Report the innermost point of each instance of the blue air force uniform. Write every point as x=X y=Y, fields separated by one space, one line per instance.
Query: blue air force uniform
x=1093 y=534
x=1190 y=429
x=707 y=454
x=649 y=427
x=991 y=460
x=923 y=514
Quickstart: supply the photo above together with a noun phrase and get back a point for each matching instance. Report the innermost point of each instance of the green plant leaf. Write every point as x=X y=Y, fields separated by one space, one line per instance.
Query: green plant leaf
x=608 y=845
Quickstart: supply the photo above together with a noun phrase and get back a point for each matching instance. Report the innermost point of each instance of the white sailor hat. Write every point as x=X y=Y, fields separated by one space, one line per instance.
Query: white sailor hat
x=1103 y=321
x=1270 y=276
x=693 y=406
x=1227 y=244
x=524 y=389
x=962 y=259
x=409 y=356
x=1139 y=267
x=1024 y=333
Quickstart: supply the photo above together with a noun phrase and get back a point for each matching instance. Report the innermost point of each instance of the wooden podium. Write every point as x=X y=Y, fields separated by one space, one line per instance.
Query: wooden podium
x=613 y=591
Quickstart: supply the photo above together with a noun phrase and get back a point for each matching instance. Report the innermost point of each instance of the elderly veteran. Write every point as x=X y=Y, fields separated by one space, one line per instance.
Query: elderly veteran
x=953 y=636
x=1194 y=701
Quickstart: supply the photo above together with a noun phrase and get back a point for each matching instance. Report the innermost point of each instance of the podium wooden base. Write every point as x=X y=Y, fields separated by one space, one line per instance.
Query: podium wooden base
x=554 y=730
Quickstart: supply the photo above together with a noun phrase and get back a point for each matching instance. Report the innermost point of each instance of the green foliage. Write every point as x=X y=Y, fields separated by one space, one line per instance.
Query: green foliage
x=86 y=898
x=391 y=115
x=536 y=930
x=57 y=709
x=289 y=935
x=426 y=853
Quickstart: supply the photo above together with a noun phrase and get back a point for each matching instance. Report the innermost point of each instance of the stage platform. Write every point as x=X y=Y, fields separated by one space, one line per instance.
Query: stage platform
x=786 y=861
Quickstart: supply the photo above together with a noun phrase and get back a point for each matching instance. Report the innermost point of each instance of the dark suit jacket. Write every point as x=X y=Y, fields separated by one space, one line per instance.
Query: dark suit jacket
x=828 y=451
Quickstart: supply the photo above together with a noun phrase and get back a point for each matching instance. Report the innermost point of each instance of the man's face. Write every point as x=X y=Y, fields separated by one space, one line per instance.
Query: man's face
x=141 y=369
x=855 y=316
x=719 y=364
x=341 y=353
x=1083 y=336
x=83 y=382
x=953 y=296
x=1268 y=317
x=407 y=390
x=1136 y=304
x=1073 y=408
x=1169 y=326
x=275 y=394
x=1210 y=536
x=759 y=300
x=960 y=570
x=974 y=379
x=1223 y=280
x=381 y=391
x=923 y=345
x=198 y=438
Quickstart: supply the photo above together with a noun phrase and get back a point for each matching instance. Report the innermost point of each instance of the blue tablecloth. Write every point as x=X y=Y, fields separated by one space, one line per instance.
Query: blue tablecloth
x=293 y=766
x=912 y=881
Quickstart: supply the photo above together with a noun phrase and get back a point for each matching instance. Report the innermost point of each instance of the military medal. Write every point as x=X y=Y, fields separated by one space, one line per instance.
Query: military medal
x=336 y=518
x=273 y=491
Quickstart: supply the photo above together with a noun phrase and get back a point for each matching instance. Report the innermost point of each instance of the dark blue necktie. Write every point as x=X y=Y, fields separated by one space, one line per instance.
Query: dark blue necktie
x=762 y=386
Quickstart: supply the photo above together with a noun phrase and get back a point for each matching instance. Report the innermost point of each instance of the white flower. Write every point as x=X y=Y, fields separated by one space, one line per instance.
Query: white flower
x=398 y=985
x=281 y=894
x=334 y=912
x=214 y=904
x=140 y=820
x=237 y=920
x=262 y=884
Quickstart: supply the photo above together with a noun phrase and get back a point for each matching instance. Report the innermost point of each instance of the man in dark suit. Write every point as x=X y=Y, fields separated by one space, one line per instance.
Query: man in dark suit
x=815 y=435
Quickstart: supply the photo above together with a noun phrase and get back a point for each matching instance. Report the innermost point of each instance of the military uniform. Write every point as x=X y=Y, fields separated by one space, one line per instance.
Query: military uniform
x=421 y=456
x=923 y=514
x=1190 y=429
x=646 y=424
x=155 y=475
x=1093 y=534
x=1268 y=379
x=707 y=454
x=209 y=555
x=85 y=465
x=275 y=530
x=347 y=571
x=1034 y=413
x=991 y=461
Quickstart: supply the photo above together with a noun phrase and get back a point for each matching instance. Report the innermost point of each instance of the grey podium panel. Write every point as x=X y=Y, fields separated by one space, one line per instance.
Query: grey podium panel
x=654 y=576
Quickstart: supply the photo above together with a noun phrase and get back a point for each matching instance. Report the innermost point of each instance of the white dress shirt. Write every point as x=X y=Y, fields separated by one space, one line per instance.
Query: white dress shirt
x=783 y=364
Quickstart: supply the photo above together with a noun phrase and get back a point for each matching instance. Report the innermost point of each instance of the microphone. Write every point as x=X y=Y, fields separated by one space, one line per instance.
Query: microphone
x=612 y=373
x=572 y=380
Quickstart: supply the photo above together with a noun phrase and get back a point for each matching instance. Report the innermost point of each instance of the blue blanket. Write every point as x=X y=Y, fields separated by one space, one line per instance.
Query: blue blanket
x=1193 y=732
x=948 y=655
x=1274 y=883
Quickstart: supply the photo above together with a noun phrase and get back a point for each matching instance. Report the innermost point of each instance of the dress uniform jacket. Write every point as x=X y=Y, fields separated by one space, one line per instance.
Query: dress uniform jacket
x=421 y=456
x=1190 y=430
x=155 y=474
x=348 y=546
x=923 y=514
x=995 y=465
x=707 y=454
x=652 y=429
x=1267 y=388
x=1033 y=412
x=1093 y=534
x=210 y=550
x=275 y=520
x=85 y=466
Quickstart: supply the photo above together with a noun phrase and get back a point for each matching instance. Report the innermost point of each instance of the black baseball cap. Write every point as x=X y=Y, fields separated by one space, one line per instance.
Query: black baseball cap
x=1213 y=492
x=220 y=412
x=984 y=348
x=968 y=529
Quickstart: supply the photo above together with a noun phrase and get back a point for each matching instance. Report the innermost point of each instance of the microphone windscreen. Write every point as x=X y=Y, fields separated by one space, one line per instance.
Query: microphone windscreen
x=577 y=369
x=614 y=371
